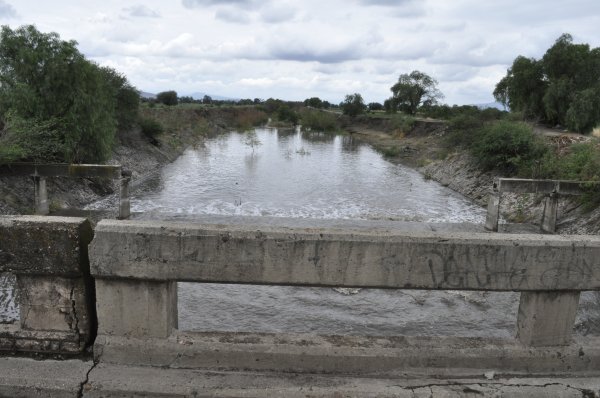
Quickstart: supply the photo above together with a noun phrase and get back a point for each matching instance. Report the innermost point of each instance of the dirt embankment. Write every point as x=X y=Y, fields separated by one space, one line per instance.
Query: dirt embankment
x=142 y=155
x=421 y=146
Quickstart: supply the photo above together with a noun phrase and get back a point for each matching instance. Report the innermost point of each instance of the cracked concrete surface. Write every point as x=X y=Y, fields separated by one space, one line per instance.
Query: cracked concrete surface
x=23 y=377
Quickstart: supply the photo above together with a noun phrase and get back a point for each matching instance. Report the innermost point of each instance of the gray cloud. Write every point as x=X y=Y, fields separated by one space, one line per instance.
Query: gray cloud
x=278 y=13
x=384 y=2
x=7 y=10
x=232 y=15
x=141 y=11
x=208 y=3
x=316 y=55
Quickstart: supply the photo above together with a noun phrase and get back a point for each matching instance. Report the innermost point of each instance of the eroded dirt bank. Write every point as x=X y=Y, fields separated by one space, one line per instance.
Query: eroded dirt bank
x=422 y=147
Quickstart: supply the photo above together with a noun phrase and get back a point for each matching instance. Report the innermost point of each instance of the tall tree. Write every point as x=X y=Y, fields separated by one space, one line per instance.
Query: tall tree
x=55 y=104
x=353 y=105
x=413 y=90
x=561 y=88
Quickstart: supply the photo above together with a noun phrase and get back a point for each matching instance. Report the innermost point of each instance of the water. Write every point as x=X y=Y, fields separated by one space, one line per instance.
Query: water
x=295 y=174
x=315 y=175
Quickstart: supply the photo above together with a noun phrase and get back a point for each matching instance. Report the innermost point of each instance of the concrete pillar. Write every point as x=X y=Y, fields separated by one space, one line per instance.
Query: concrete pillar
x=548 y=224
x=134 y=308
x=41 y=196
x=124 y=204
x=53 y=304
x=546 y=318
x=493 y=211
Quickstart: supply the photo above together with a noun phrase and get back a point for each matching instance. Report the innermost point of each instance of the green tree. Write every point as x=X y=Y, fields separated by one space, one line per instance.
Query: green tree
x=413 y=90
x=353 y=105
x=53 y=99
x=523 y=87
x=314 y=102
x=167 y=97
x=561 y=88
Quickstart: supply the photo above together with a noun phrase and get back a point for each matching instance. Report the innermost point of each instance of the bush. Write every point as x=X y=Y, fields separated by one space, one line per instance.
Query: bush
x=167 y=97
x=56 y=105
x=286 y=114
x=507 y=146
x=318 y=120
x=151 y=128
x=247 y=118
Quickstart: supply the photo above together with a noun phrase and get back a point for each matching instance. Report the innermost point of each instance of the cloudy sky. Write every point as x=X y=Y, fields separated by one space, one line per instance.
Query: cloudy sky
x=294 y=49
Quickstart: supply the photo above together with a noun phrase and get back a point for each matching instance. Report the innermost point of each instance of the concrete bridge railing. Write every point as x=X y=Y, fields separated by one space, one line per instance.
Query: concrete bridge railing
x=551 y=189
x=49 y=256
x=40 y=172
x=136 y=266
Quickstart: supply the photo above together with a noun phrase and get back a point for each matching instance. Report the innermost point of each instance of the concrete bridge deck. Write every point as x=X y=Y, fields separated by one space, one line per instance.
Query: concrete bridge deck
x=23 y=377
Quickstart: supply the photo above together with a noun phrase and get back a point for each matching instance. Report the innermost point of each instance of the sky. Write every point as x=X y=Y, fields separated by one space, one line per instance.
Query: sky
x=296 y=49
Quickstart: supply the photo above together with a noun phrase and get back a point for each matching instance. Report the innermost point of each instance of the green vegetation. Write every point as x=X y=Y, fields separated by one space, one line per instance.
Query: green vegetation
x=55 y=105
x=150 y=127
x=287 y=114
x=168 y=98
x=507 y=146
x=316 y=102
x=562 y=88
x=318 y=120
x=411 y=91
x=353 y=105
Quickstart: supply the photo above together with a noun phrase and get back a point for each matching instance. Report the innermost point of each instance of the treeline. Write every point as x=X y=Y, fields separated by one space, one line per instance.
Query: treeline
x=55 y=105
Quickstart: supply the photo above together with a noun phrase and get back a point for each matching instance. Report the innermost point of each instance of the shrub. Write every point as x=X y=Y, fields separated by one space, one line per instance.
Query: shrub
x=506 y=146
x=318 y=120
x=246 y=118
x=151 y=128
x=167 y=97
x=286 y=114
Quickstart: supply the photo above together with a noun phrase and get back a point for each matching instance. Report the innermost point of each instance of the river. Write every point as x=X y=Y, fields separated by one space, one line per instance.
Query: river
x=291 y=173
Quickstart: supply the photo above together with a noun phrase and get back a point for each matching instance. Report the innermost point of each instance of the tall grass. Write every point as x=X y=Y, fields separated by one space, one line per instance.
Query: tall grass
x=319 y=120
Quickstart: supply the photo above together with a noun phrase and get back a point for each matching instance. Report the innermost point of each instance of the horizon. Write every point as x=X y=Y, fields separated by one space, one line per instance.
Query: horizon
x=295 y=50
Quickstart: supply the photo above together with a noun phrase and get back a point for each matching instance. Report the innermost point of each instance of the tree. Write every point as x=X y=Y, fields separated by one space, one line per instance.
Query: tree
x=414 y=89
x=375 y=106
x=562 y=88
x=207 y=99
x=353 y=105
x=56 y=105
x=167 y=97
x=314 y=102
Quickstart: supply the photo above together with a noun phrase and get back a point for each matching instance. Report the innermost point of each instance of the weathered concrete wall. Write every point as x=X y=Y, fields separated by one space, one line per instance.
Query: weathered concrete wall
x=332 y=257
x=55 y=291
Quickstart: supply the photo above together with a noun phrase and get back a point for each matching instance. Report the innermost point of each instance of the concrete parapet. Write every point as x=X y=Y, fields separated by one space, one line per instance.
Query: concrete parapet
x=136 y=264
x=55 y=291
x=334 y=257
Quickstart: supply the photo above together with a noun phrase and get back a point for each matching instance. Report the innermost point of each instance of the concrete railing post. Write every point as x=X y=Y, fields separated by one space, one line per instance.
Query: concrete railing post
x=546 y=318
x=493 y=211
x=48 y=255
x=124 y=203
x=548 y=224
x=41 y=196
x=135 y=308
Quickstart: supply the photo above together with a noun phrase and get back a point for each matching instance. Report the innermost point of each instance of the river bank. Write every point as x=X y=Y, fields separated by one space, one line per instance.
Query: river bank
x=422 y=147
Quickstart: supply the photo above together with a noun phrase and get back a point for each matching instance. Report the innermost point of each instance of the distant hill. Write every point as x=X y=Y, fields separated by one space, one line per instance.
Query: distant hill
x=146 y=95
x=196 y=96
x=199 y=96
